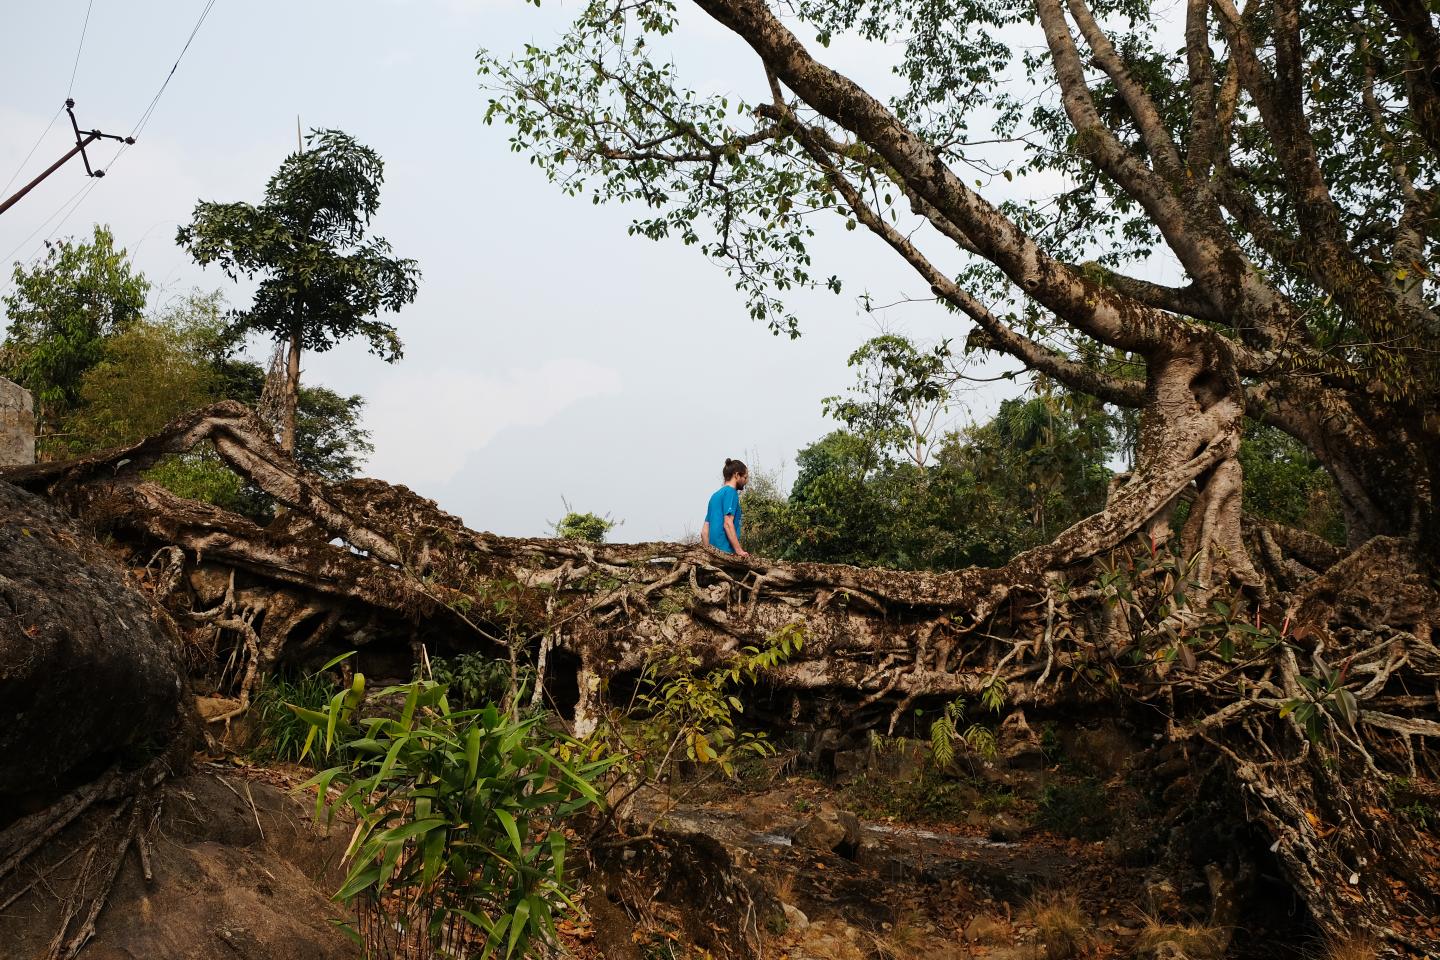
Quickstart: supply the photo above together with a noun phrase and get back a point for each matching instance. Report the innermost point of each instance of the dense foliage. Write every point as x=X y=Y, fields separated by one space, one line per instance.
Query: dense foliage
x=59 y=316
x=890 y=488
x=322 y=278
x=458 y=848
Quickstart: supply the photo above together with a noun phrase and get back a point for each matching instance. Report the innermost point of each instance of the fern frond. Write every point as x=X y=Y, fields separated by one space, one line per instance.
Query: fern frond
x=942 y=741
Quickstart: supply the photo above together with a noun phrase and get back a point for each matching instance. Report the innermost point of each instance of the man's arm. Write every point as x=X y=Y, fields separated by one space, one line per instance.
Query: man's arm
x=705 y=534
x=733 y=537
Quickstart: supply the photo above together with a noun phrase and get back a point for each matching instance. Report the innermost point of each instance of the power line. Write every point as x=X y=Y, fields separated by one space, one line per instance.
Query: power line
x=83 y=30
x=38 y=141
x=145 y=118
x=79 y=196
x=10 y=257
x=69 y=89
x=83 y=139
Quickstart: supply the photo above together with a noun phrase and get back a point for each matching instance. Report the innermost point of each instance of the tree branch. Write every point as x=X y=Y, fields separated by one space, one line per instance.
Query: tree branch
x=999 y=335
x=1102 y=314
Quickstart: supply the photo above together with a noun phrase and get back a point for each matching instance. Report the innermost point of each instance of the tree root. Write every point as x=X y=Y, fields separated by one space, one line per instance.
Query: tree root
x=136 y=811
x=27 y=835
x=1244 y=672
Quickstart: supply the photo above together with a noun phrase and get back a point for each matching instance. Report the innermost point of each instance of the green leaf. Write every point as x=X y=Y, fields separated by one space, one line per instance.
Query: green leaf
x=334 y=661
x=518 y=924
x=557 y=854
x=357 y=883
x=472 y=755
x=508 y=822
x=413 y=829
x=390 y=757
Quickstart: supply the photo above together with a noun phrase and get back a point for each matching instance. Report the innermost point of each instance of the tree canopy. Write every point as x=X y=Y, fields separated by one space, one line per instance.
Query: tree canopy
x=60 y=313
x=1034 y=166
x=323 y=278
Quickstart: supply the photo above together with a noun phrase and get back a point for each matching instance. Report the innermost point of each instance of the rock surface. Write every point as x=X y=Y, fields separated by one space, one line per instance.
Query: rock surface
x=239 y=869
x=1019 y=745
x=87 y=673
x=17 y=424
x=830 y=830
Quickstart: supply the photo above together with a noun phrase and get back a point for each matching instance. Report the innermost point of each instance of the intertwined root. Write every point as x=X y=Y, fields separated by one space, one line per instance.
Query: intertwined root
x=1316 y=690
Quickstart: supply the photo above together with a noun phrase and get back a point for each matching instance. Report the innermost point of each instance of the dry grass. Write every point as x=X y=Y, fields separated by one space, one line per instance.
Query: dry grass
x=1355 y=948
x=1062 y=928
x=783 y=887
x=1196 y=941
x=906 y=939
x=909 y=933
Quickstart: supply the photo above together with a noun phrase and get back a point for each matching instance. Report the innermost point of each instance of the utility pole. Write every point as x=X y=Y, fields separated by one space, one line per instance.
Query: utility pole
x=83 y=138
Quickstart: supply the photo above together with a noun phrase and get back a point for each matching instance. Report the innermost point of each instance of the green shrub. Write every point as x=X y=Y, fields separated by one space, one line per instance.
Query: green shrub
x=472 y=679
x=683 y=713
x=589 y=527
x=933 y=795
x=1413 y=805
x=282 y=732
x=458 y=847
x=1080 y=810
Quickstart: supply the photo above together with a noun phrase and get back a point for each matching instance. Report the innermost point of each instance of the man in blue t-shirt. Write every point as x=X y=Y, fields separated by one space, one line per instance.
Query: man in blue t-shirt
x=722 y=517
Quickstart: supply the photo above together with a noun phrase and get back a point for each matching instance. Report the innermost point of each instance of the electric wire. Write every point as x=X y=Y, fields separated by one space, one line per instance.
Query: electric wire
x=69 y=89
x=78 y=198
x=83 y=30
x=10 y=257
x=199 y=22
x=38 y=141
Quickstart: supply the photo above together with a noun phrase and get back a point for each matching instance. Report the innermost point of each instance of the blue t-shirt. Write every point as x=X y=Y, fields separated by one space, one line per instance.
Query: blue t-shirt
x=723 y=502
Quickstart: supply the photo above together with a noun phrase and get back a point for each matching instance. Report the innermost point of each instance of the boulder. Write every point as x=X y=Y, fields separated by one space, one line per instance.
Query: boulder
x=88 y=672
x=1018 y=745
x=830 y=830
x=1004 y=828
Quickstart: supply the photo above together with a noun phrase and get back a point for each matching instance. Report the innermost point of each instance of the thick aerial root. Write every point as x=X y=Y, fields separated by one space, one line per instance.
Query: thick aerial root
x=1212 y=533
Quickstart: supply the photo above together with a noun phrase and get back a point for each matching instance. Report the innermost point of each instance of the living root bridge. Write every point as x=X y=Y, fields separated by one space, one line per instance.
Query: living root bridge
x=401 y=559
x=1092 y=619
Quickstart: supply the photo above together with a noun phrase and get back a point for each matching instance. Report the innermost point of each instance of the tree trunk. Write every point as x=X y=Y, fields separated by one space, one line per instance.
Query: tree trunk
x=292 y=394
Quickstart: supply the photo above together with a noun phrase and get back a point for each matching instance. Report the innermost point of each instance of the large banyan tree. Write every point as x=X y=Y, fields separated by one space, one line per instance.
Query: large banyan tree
x=1037 y=163
x=1277 y=160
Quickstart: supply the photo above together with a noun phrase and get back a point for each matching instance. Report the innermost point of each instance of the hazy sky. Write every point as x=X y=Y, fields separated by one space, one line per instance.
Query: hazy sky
x=549 y=354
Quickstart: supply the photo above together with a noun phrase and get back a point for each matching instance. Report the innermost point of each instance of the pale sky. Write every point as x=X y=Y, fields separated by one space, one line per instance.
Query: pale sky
x=548 y=354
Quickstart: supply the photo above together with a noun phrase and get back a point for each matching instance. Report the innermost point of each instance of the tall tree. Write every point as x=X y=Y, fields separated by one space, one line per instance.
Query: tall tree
x=1282 y=160
x=185 y=357
x=323 y=278
x=1281 y=165
x=59 y=315
x=901 y=391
